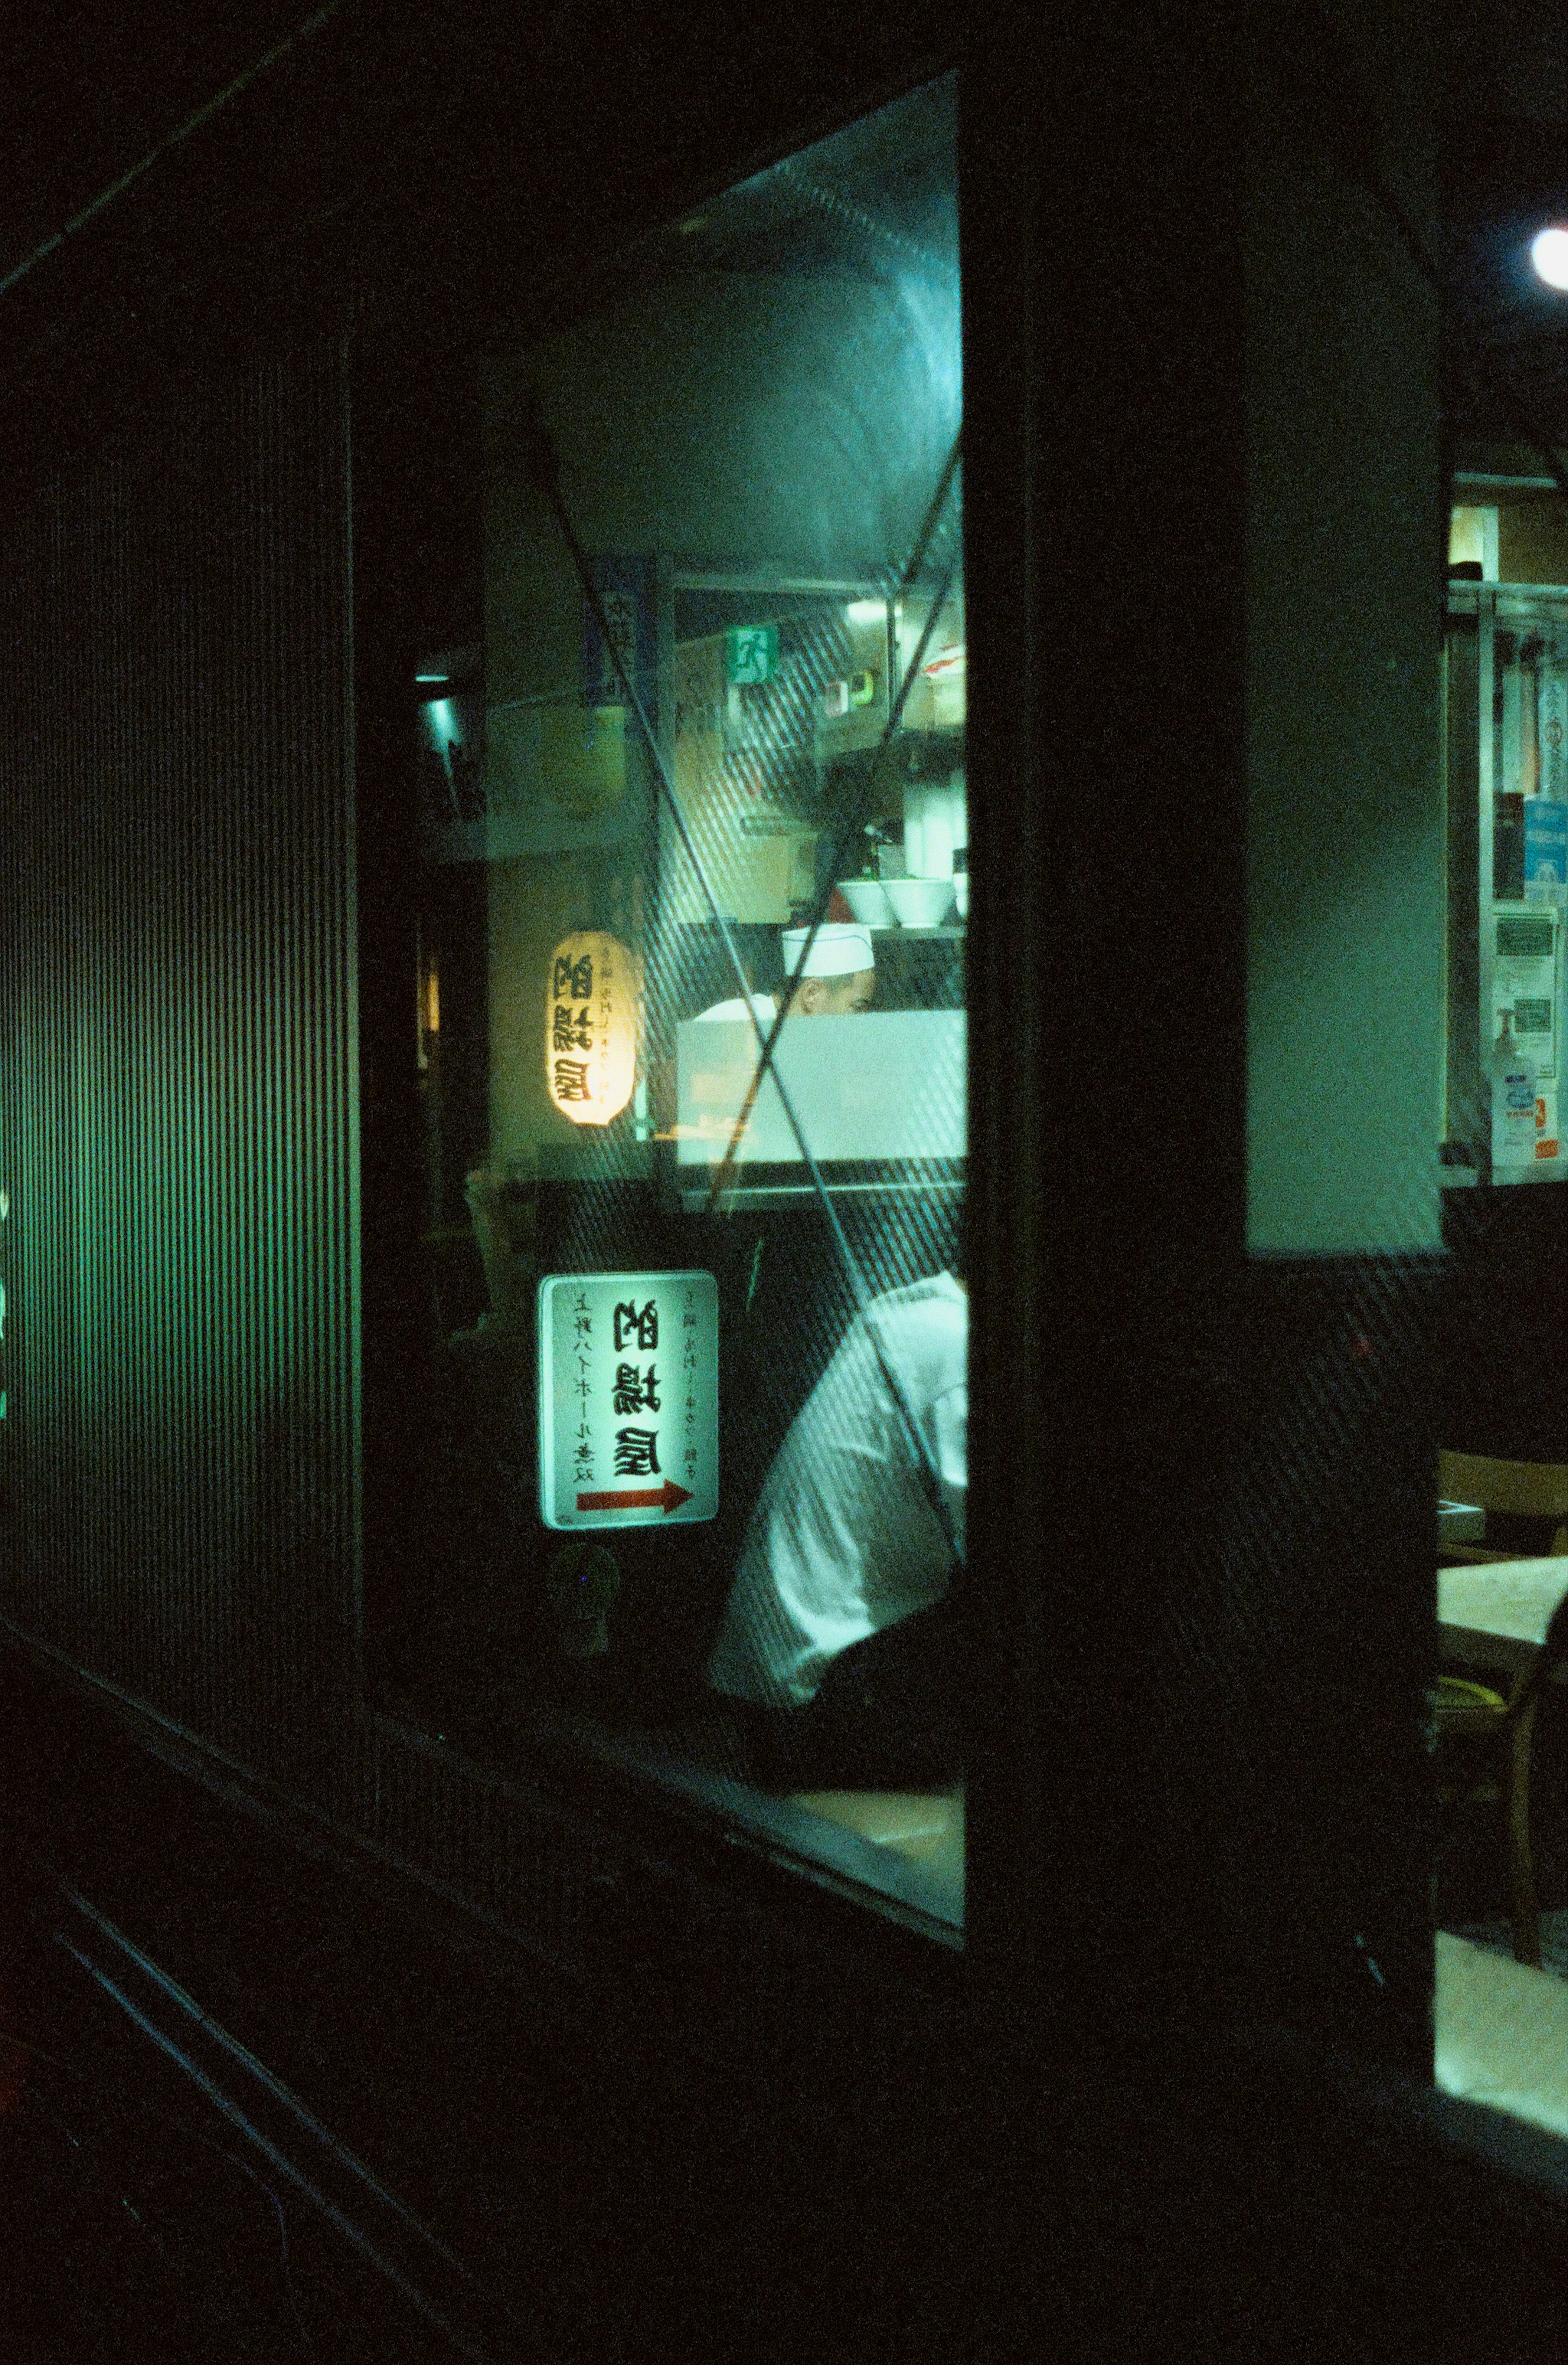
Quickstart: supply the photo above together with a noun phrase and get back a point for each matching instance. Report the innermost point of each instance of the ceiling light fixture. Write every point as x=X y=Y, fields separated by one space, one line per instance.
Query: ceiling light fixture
x=1549 y=252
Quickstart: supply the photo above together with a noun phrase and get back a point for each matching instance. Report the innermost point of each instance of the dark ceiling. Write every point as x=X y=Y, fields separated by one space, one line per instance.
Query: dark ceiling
x=1507 y=331
x=88 y=90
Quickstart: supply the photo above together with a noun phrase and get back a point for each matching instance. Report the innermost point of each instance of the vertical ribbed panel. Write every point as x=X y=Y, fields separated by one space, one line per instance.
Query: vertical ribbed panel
x=177 y=1086
x=178 y=1121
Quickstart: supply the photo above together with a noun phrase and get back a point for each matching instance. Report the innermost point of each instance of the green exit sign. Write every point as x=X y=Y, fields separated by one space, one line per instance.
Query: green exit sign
x=751 y=653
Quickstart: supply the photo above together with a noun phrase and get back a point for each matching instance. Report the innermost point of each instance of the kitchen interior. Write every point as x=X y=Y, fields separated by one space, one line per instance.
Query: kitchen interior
x=1500 y=1728
x=744 y=708
x=788 y=782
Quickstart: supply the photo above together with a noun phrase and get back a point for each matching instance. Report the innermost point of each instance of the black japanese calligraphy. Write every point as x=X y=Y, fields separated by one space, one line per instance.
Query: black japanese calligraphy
x=635 y=1390
x=620 y=615
x=574 y=980
x=633 y=1328
x=572 y=1084
x=636 y=1454
x=568 y=1033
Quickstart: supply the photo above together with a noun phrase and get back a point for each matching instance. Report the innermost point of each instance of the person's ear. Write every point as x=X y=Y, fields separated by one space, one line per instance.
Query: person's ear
x=809 y=996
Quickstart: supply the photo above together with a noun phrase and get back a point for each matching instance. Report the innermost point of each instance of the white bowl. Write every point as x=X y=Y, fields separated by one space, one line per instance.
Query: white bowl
x=868 y=899
x=920 y=902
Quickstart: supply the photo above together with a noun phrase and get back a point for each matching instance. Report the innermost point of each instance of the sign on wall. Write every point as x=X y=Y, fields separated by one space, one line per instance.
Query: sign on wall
x=628 y=1399
x=627 y=587
x=751 y=653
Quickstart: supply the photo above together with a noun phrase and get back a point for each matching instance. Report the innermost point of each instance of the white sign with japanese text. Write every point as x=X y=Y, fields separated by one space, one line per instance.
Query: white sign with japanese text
x=628 y=1398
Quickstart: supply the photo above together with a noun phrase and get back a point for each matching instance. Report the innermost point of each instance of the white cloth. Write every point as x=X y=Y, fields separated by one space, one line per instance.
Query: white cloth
x=844 y=1539
x=763 y=1005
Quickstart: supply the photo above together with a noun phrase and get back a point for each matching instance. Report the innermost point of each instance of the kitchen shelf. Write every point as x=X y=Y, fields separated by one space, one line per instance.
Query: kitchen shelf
x=946 y=934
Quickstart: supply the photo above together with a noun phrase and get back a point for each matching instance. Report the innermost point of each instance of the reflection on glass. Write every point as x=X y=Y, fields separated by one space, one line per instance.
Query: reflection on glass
x=713 y=746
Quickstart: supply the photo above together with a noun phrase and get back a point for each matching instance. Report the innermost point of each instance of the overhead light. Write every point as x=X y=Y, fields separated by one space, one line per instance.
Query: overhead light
x=867 y=612
x=1549 y=252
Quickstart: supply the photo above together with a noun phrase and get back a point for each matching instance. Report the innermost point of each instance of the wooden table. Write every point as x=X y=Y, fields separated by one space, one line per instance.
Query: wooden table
x=1495 y=1614
x=1502 y=2033
x=927 y=1826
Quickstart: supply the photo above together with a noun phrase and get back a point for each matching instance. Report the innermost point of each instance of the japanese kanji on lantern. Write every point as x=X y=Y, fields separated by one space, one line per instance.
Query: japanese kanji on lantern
x=628 y=1398
x=590 y=1026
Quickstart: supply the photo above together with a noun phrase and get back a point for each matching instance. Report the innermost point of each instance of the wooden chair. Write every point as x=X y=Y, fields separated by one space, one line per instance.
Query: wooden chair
x=1518 y=1490
x=1471 y=1713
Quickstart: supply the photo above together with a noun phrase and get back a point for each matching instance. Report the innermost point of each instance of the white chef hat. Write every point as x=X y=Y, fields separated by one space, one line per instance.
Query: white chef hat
x=838 y=950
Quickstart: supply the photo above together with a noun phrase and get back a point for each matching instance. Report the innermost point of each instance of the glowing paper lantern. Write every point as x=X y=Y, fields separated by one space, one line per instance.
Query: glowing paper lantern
x=590 y=1026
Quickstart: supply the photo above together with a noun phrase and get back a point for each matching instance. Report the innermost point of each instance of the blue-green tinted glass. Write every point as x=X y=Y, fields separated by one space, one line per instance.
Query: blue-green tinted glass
x=690 y=1010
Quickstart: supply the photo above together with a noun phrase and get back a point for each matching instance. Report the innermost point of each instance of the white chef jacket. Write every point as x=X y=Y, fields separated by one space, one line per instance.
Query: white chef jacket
x=765 y=1006
x=844 y=1539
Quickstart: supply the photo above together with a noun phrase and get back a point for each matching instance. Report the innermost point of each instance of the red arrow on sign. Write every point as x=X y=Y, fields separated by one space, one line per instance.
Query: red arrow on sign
x=668 y=1497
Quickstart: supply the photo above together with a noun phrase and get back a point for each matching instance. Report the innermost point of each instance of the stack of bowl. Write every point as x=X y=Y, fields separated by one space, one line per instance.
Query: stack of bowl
x=868 y=899
x=919 y=903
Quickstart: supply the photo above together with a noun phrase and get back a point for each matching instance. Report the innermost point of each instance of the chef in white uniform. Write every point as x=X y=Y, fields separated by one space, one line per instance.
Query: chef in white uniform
x=839 y=976
x=856 y=1532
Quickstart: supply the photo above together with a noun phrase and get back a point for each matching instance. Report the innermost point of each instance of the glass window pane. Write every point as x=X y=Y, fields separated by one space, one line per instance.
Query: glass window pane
x=690 y=1017
x=1496 y=1725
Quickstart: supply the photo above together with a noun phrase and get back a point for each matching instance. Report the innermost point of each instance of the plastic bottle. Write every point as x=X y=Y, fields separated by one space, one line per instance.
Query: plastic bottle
x=1513 y=1099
